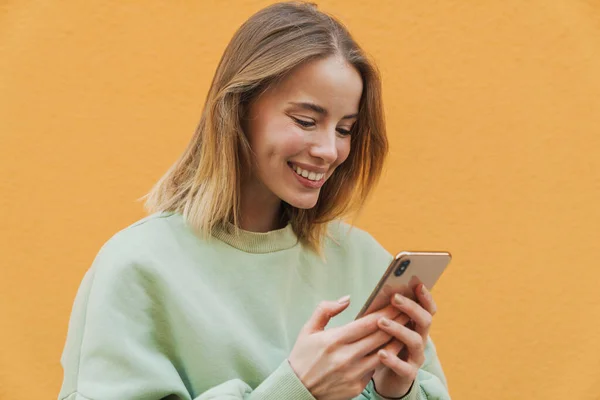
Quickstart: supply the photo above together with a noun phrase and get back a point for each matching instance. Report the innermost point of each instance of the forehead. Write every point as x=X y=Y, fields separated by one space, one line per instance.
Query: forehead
x=330 y=82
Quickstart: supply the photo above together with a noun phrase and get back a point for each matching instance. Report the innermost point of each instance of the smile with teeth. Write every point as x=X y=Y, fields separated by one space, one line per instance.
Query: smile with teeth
x=313 y=176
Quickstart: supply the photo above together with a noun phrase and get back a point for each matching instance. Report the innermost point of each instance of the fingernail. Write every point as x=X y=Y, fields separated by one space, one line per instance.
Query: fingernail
x=384 y=321
x=382 y=354
x=398 y=299
x=424 y=290
x=344 y=300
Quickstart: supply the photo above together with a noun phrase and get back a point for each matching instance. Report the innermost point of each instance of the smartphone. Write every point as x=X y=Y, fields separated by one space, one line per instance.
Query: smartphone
x=403 y=275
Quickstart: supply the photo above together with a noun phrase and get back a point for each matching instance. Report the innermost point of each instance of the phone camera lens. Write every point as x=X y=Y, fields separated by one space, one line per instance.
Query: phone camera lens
x=402 y=267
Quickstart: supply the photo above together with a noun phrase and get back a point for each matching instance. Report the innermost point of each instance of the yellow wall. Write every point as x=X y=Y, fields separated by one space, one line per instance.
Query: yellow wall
x=493 y=111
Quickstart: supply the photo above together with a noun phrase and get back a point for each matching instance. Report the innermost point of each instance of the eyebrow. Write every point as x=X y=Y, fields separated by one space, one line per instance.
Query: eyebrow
x=318 y=109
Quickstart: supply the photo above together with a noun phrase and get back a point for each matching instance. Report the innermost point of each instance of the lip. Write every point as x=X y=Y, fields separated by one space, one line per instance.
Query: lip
x=310 y=168
x=307 y=182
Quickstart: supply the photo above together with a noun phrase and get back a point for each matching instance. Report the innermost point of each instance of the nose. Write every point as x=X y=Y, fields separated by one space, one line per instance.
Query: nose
x=323 y=145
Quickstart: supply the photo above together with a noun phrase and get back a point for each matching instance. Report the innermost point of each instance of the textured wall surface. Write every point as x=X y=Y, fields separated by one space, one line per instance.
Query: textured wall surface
x=493 y=111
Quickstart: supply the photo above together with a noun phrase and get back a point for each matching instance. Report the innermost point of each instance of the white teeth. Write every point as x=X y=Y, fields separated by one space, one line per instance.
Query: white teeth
x=313 y=176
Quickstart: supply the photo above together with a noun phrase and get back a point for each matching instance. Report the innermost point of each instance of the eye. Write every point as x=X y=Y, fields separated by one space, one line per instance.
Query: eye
x=303 y=123
x=344 y=132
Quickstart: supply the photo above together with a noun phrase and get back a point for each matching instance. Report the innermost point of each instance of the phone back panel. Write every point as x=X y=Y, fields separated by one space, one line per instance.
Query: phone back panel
x=426 y=267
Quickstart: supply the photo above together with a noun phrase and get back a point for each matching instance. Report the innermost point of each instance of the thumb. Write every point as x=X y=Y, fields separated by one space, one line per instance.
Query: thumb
x=324 y=312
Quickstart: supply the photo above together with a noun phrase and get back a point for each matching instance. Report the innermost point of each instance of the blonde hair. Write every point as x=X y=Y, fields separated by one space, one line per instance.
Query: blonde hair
x=204 y=183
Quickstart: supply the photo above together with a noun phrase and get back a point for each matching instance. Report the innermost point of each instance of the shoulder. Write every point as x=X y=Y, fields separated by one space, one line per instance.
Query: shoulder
x=351 y=238
x=153 y=229
x=355 y=243
x=149 y=234
x=137 y=246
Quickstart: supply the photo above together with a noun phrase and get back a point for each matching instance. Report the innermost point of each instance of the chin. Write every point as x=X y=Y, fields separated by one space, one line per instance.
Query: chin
x=303 y=202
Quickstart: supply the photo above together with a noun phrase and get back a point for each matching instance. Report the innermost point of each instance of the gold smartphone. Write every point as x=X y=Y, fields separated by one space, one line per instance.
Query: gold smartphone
x=404 y=273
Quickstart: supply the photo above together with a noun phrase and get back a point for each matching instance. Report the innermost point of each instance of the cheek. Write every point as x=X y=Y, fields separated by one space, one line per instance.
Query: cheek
x=292 y=143
x=277 y=142
x=343 y=150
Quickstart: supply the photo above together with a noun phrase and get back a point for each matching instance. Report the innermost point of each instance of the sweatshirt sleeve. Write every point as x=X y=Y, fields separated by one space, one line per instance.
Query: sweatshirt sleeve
x=119 y=345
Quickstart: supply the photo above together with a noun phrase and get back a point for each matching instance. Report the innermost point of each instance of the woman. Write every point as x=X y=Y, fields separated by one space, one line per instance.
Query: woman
x=221 y=292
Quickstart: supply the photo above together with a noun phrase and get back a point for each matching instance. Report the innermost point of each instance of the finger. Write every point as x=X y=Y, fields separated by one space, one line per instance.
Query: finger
x=394 y=347
x=413 y=340
x=405 y=369
x=367 y=365
x=426 y=299
x=415 y=312
x=369 y=344
x=376 y=340
x=402 y=319
x=363 y=326
x=324 y=312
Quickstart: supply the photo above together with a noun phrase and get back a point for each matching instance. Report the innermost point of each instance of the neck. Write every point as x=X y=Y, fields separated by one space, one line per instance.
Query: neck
x=260 y=210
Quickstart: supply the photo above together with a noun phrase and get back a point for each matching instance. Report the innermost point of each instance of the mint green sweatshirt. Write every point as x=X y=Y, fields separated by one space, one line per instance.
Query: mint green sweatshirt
x=163 y=313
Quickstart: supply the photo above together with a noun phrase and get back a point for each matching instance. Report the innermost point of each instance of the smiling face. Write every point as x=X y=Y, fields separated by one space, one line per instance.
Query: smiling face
x=299 y=131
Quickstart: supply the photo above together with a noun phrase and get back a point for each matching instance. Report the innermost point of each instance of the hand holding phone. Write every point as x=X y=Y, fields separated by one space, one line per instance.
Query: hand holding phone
x=403 y=275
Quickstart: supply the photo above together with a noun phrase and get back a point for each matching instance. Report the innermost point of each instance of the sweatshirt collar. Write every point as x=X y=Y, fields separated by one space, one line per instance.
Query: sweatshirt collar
x=256 y=242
